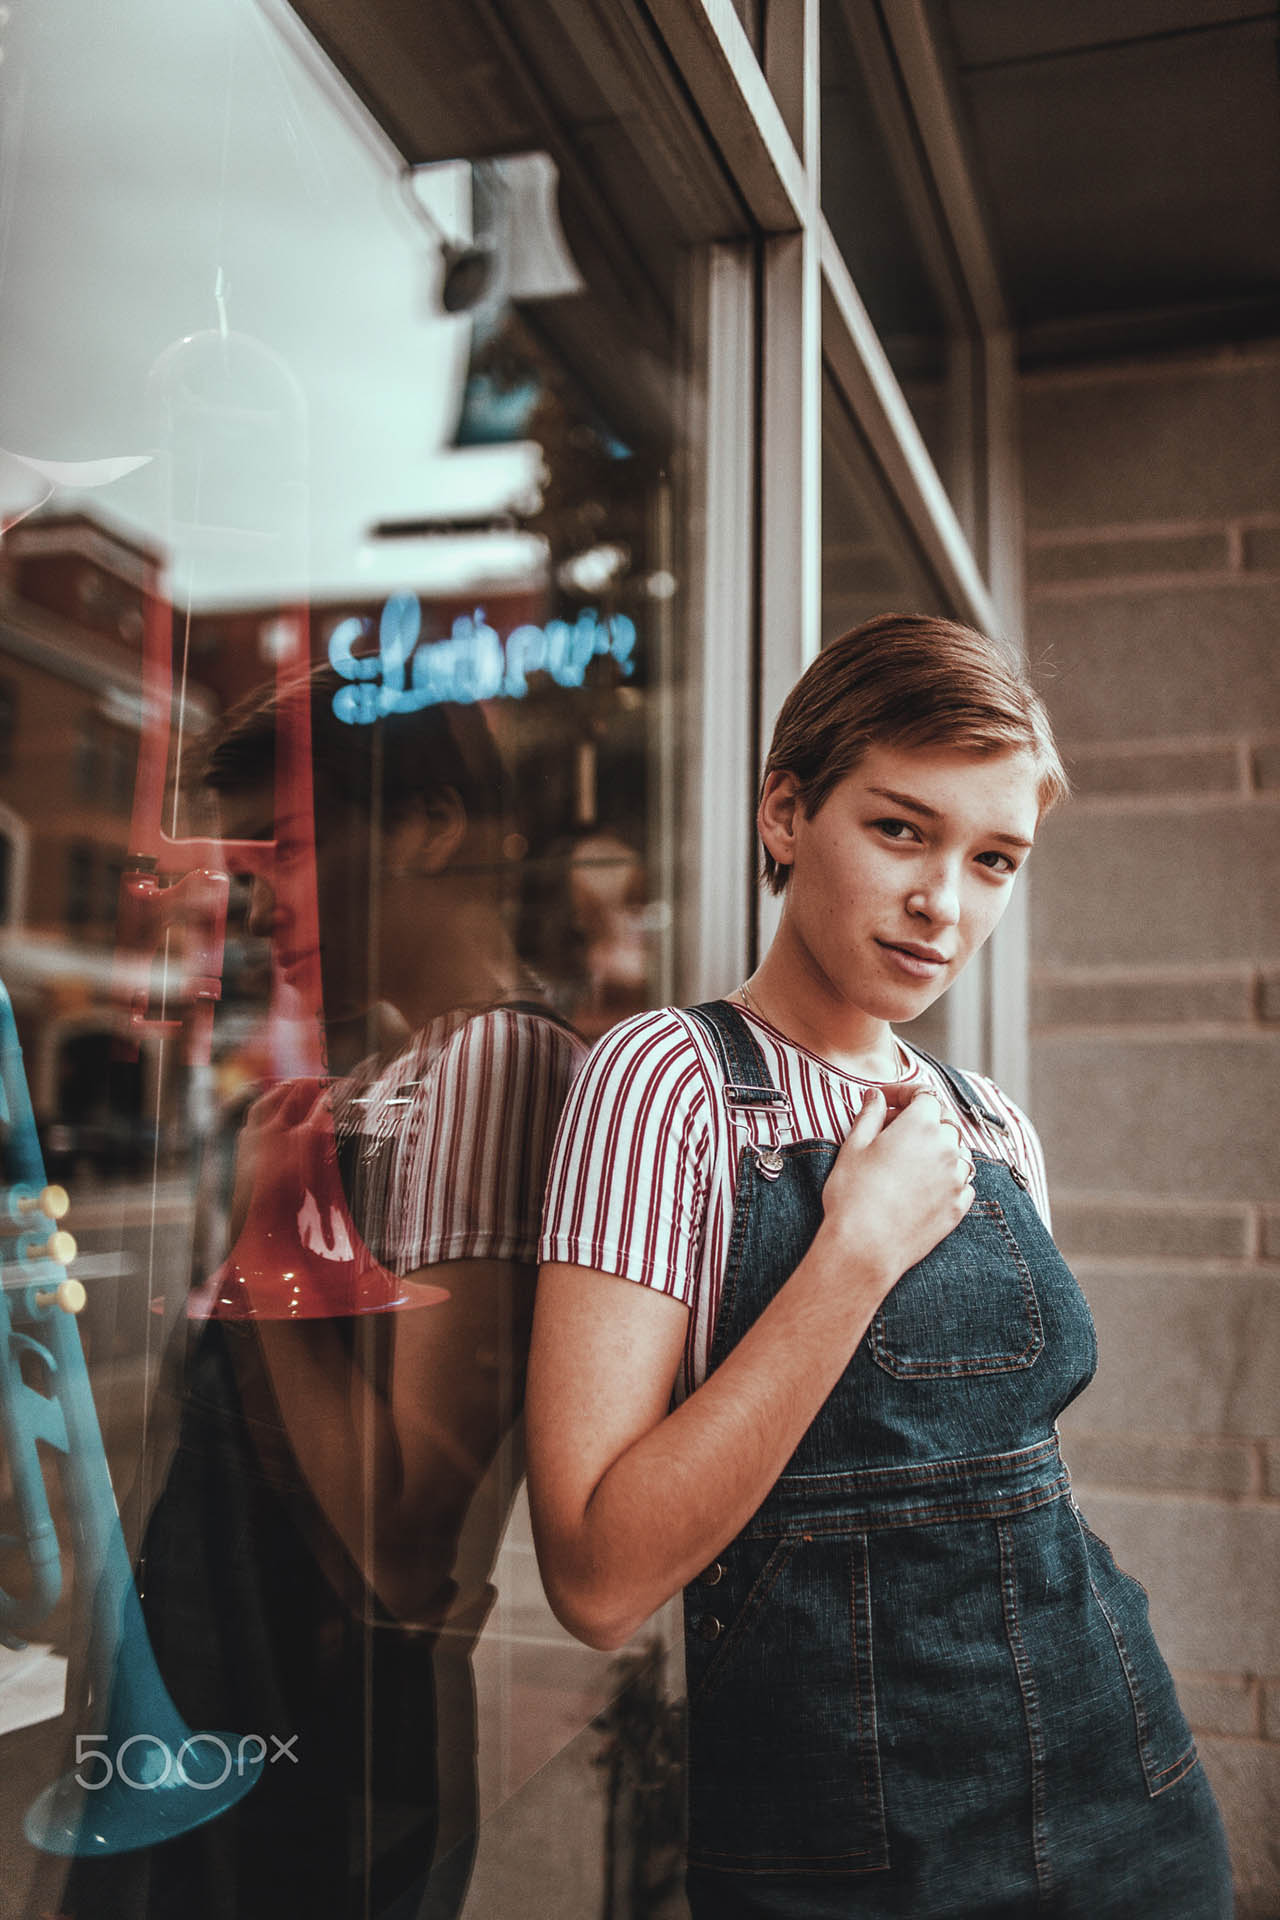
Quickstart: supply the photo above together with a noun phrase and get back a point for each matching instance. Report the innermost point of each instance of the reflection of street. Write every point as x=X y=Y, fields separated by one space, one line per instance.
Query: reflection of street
x=133 y=1254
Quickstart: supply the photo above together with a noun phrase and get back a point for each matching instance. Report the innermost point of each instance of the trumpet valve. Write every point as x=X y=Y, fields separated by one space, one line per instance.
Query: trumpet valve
x=52 y=1201
x=59 y=1246
x=68 y=1294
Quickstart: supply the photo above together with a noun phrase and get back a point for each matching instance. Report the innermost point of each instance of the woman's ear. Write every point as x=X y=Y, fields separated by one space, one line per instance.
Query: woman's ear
x=427 y=839
x=776 y=819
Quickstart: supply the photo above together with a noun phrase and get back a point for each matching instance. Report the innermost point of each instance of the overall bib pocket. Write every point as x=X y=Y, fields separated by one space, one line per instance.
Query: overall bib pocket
x=784 y=1766
x=1166 y=1748
x=968 y=1308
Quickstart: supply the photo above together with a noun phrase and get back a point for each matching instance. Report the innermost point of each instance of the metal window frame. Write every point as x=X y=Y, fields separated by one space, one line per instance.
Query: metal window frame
x=810 y=312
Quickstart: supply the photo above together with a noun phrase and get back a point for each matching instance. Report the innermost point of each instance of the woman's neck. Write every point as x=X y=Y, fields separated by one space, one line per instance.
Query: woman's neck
x=466 y=960
x=789 y=992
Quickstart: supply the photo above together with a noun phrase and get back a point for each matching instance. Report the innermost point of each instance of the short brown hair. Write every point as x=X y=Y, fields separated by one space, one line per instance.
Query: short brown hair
x=906 y=680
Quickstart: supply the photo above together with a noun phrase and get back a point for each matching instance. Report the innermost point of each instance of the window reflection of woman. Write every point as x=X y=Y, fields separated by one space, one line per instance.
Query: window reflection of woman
x=317 y=1563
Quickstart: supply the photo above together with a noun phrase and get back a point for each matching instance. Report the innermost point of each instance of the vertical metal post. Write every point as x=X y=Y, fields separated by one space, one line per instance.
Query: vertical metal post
x=791 y=421
x=719 y=774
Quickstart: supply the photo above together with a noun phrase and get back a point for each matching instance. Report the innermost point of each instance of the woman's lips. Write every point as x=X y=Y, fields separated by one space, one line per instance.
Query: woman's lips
x=919 y=966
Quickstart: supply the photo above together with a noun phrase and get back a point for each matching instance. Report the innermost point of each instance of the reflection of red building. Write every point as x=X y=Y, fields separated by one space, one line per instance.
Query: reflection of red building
x=71 y=616
x=72 y=596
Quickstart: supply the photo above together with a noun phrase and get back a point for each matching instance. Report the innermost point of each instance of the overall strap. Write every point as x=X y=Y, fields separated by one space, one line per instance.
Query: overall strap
x=963 y=1091
x=746 y=1078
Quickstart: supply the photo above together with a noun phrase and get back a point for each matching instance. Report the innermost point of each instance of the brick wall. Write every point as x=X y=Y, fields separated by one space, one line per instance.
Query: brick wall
x=1153 y=516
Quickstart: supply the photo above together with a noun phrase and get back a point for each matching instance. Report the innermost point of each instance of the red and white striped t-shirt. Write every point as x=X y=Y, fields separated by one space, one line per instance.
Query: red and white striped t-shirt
x=449 y=1140
x=645 y=1162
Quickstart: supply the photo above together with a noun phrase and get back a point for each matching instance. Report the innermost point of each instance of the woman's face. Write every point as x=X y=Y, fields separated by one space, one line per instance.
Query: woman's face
x=903 y=871
x=312 y=898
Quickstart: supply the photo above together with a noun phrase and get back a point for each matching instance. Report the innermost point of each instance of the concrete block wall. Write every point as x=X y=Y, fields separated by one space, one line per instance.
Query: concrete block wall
x=1153 y=551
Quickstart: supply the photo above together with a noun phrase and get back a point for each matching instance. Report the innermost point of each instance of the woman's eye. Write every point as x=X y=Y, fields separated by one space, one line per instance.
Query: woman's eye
x=998 y=862
x=895 y=829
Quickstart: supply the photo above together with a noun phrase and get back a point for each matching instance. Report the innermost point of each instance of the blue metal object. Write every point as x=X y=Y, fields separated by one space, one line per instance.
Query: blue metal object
x=141 y=1775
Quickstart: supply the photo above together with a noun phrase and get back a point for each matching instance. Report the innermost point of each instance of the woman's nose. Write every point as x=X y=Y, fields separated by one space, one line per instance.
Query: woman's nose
x=260 y=919
x=936 y=898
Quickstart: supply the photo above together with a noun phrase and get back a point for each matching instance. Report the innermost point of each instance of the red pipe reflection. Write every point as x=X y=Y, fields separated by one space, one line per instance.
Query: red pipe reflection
x=298 y=1254
x=179 y=886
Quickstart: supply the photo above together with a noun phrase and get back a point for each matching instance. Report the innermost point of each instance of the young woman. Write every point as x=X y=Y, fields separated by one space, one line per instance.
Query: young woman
x=801 y=1341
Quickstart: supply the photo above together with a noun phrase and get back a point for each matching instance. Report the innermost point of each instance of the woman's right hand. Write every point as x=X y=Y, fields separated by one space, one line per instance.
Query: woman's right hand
x=896 y=1191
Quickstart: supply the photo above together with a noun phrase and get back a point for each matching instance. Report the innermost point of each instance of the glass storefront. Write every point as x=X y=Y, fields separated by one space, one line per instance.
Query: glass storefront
x=341 y=603
x=382 y=426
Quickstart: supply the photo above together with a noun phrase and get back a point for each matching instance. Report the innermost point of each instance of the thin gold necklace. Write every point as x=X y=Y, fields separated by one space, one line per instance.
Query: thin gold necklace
x=899 y=1062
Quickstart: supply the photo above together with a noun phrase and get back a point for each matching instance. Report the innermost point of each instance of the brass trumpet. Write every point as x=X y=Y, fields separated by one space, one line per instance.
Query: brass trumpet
x=146 y=1776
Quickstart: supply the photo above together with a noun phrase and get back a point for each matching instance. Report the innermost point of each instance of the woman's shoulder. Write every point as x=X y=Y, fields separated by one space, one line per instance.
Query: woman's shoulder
x=523 y=1029
x=655 y=1065
x=657 y=1039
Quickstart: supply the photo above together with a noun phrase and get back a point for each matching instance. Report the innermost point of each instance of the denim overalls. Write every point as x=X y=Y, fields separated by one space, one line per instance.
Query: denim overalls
x=918 y=1685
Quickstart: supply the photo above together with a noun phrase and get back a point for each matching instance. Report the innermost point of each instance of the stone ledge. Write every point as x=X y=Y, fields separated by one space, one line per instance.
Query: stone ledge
x=1212 y=1570
x=1229 y=1704
x=1174 y=662
x=1262 y=548
x=1169 y=1464
x=1110 y=558
x=1174 y=1116
x=1191 y=1352
x=1141 y=1001
x=1266 y=767
x=1156 y=771
x=1099 y=1229
x=1245 y=1776
x=1135 y=886
x=1190 y=444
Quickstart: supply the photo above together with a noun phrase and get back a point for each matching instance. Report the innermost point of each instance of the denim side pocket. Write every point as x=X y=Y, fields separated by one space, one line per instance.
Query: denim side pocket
x=969 y=1307
x=1166 y=1748
x=784 y=1771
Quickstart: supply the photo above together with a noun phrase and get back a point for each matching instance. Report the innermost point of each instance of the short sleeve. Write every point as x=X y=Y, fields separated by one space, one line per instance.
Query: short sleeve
x=1022 y=1143
x=629 y=1179
x=468 y=1183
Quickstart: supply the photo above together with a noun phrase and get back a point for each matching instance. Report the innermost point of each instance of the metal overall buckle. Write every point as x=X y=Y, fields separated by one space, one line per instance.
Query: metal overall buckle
x=742 y=1100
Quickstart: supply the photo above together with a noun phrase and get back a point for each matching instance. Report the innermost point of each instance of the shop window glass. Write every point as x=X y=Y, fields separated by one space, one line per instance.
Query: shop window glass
x=80 y=903
x=358 y=607
x=87 y=756
x=8 y=721
x=885 y=221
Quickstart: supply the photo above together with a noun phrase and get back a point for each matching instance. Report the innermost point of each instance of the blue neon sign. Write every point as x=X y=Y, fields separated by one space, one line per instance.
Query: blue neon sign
x=475 y=663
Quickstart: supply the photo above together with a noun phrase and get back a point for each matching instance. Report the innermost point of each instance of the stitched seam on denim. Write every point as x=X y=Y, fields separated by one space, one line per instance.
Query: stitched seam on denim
x=1084 y=1527
x=860 y=1521
x=711 y=1029
x=1135 y=1700
x=1190 y=1759
x=738 y=1047
x=962 y=1469
x=1030 y=1711
x=723 y=1338
x=761 y=1588
x=780 y=1862
x=863 y=1651
x=1142 y=1720
x=969 y=1366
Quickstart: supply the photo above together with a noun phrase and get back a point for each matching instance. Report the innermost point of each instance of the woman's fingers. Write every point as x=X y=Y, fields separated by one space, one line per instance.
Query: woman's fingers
x=871 y=1118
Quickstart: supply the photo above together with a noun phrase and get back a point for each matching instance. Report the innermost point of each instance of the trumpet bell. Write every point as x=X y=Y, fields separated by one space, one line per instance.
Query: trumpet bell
x=192 y=1783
